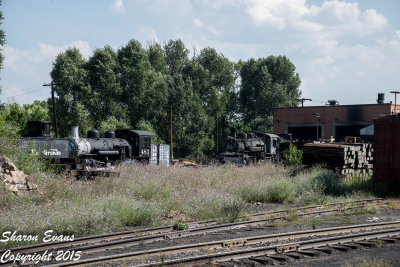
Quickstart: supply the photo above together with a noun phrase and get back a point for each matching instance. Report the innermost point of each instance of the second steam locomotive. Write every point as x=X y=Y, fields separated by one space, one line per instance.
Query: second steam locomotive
x=250 y=148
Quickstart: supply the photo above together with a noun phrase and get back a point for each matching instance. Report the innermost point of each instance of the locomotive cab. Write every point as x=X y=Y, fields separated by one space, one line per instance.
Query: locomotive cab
x=139 y=140
x=271 y=145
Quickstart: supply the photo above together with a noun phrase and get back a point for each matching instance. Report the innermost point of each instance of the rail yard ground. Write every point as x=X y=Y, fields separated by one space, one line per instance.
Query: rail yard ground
x=147 y=195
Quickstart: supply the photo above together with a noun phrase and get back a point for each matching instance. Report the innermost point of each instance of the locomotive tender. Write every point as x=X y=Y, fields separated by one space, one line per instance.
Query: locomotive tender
x=88 y=154
x=250 y=148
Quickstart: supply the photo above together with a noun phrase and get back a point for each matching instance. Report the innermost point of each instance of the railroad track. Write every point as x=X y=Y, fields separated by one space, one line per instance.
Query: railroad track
x=243 y=248
x=104 y=242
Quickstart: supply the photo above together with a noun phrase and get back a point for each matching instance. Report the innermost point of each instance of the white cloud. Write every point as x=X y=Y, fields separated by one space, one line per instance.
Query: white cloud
x=197 y=22
x=17 y=59
x=33 y=65
x=148 y=34
x=276 y=12
x=331 y=15
x=118 y=7
x=216 y=4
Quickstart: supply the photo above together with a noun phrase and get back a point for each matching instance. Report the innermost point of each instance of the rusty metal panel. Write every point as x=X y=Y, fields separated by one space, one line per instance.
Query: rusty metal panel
x=387 y=151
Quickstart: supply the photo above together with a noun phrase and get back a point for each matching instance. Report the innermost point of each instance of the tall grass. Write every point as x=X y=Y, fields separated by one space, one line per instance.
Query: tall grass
x=147 y=195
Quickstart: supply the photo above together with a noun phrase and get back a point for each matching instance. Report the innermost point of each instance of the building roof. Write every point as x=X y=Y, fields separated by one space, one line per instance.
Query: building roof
x=336 y=106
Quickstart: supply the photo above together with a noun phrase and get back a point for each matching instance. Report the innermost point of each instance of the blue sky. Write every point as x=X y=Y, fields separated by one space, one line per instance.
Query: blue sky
x=344 y=50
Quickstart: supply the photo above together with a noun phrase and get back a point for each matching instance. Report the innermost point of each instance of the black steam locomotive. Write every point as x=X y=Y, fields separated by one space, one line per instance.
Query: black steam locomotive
x=89 y=154
x=250 y=148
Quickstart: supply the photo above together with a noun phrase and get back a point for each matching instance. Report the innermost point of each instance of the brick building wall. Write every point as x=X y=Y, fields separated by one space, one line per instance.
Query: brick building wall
x=337 y=121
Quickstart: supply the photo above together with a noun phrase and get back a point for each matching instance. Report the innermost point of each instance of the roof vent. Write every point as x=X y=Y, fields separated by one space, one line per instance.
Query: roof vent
x=381 y=98
x=333 y=102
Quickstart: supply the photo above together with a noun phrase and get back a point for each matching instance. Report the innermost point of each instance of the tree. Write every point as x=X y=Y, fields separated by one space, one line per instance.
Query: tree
x=213 y=80
x=73 y=92
x=157 y=58
x=176 y=56
x=18 y=116
x=208 y=94
x=2 y=40
x=189 y=120
x=112 y=124
x=106 y=99
x=267 y=83
x=133 y=71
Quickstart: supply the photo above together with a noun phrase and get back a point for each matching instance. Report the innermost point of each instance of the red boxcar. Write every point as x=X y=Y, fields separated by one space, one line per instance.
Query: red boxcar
x=387 y=151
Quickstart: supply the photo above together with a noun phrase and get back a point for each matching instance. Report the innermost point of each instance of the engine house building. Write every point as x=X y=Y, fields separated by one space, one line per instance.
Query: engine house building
x=338 y=121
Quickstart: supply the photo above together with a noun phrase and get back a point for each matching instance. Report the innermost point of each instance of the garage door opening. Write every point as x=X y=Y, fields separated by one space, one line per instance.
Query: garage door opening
x=348 y=130
x=305 y=133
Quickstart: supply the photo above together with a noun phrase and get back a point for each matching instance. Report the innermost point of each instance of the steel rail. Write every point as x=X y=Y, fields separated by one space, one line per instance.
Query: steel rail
x=232 y=243
x=197 y=231
x=271 y=250
x=147 y=235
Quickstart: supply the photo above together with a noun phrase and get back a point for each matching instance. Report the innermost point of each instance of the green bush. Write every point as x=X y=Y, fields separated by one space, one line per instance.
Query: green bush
x=254 y=194
x=8 y=138
x=281 y=191
x=135 y=216
x=128 y=213
x=230 y=210
x=28 y=162
x=292 y=156
x=180 y=226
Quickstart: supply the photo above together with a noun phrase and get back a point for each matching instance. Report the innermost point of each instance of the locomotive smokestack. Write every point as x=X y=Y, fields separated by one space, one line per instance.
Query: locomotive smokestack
x=75 y=132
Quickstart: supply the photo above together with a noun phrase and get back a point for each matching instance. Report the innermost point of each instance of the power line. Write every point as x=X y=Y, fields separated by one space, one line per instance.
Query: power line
x=21 y=93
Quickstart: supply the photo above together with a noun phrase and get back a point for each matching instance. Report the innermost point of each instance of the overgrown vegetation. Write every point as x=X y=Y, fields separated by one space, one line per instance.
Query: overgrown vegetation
x=180 y=226
x=23 y=158
x=292 y=156
x=144 y=195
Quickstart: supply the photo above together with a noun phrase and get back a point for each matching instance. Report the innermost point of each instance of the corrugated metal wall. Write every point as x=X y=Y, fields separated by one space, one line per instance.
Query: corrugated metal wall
x=159 y=154
x=387 y=151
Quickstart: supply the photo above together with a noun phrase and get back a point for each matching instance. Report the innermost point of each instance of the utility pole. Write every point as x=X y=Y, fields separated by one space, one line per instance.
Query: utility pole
x=317 y=115
x=395 y=98
x=54 y=106
x=171 y=146
x=217 y=135
x=304 y=99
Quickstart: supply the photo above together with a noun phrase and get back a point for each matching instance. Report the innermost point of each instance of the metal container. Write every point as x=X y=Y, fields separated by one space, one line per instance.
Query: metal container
x=387 y=152
x=163 y=155
x=153 y=154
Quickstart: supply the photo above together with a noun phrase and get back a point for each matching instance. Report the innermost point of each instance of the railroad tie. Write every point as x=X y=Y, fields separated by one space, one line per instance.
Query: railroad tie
x=264 y=260
x=327 y=250
x=310 y=252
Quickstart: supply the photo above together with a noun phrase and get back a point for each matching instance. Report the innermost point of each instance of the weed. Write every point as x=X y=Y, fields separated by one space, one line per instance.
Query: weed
x=135 y=216
x=254 y=194
x=393 y=204
x=180 y=226
x=281 y=191
x=372 y=263
x=291 y=216
x=359 y=211
x=230 y=210
x=292 y=156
